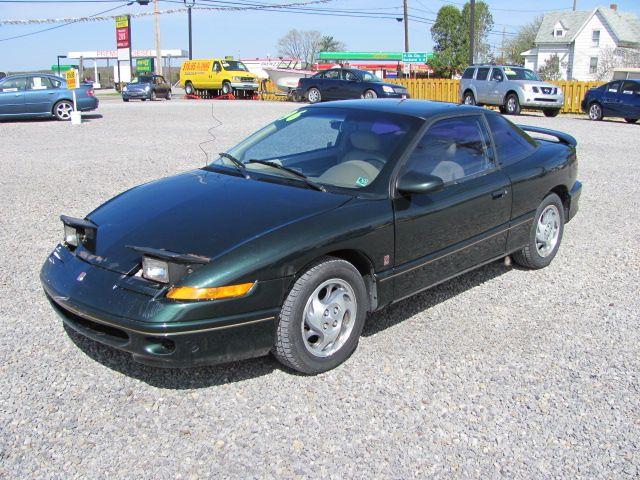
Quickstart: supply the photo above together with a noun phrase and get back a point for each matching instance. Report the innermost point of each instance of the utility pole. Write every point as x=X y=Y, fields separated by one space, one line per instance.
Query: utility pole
x=502 y=47
x=156 y=15
x=472 y=28
x=406 y=25
x=575 y=5
x=189 y=4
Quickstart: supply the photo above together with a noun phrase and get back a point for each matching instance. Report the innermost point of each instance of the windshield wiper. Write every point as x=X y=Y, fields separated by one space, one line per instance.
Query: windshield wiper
x=298 y=174
x=236 y=163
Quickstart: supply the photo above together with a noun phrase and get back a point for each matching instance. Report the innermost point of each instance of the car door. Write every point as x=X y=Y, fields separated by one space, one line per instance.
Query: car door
x=630 y=100
x=164 y=85
x=442 y=233
x=215 y=77
x=611 y=98
x=482 y=85
x=40 y=95
x=495 y=87
x=12 y=95
x=331 y=83
x=353 y=86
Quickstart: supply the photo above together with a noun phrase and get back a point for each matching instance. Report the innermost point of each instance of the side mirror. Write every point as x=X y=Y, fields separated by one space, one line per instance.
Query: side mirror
x=413 y=182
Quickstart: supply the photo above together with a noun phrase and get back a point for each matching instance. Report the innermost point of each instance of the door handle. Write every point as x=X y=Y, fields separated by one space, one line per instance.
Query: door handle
x=499 y=193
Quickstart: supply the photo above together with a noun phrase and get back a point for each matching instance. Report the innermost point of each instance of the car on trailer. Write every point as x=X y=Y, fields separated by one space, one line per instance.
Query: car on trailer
x=286 y=242
x=620 y=98
x=510 y=88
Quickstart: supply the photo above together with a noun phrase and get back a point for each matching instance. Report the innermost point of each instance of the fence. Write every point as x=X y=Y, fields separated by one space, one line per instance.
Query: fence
x=445 y=90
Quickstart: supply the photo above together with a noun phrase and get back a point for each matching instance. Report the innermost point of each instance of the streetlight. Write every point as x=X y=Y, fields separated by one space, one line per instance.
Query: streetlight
x=189 y=4
x=59 y=57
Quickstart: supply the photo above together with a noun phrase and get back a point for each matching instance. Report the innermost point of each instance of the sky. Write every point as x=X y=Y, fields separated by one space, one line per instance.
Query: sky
x=247 y=34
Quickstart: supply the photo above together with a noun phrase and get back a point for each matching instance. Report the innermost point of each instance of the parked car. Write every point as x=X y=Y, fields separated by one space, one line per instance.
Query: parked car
x=42 y=95
x=346 y=83
x=287 y=241
x=620 y=98
x=223 y=75
x=147 y=87
x=510 y=88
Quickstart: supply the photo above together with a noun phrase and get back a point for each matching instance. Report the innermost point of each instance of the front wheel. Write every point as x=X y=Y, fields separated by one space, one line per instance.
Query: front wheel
x=188 y=88
x=512 y=104
x=631 y=120
x=595 y=111
x=545 y=236
x=322 y=317
x=226 y=88
x=62 y=110
x=153 y=96
x=468 y=98
x=314 y=95
x=370 y=94
x=168 y=95
x=551 y=112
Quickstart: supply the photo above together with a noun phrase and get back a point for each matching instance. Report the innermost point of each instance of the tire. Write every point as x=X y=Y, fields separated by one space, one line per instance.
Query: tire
x=226 y=88
x=468 y=98
x=369 y=94
x=152 y=96
x=314 y=95
x=143 y=99
x=595 y=111
x=188 y=88
x=551 y=112
x=512 y=104
x=62 y=110
x=168 y=95
x=502 y=109
x=533 y=256
x=125 y=99
x=337 y=287
x=631 y=120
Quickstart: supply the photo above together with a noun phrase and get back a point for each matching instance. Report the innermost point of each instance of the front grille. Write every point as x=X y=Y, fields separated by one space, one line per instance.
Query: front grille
x=549 y=90
x=247 y=79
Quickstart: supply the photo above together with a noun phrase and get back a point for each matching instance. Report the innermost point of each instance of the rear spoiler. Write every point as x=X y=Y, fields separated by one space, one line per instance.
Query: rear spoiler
x=562 y=137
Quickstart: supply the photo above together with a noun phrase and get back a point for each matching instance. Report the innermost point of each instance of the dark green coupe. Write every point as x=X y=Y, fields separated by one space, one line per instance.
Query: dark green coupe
x=287 y=241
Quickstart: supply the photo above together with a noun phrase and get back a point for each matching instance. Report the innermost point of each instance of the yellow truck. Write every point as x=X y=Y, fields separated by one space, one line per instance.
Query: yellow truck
x=221 y=74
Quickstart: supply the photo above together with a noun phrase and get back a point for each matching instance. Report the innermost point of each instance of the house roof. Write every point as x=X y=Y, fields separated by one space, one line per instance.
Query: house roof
x=625 y=26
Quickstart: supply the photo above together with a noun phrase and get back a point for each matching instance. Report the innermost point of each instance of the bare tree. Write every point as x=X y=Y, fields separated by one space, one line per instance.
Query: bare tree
x=619 y=57
x=300 y=44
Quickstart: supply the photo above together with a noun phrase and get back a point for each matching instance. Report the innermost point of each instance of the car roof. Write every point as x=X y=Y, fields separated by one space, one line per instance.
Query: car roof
x=33 y=74
x=414 y=108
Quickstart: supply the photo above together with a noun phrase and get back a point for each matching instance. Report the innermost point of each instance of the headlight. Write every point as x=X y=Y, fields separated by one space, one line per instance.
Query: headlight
x=78 y=231
x=124 y=89
x=236 y=79
x=147 y=88
x=387 y=89
x=155 y=270
x=214 y=293
x=71 y=236
x=558 y=91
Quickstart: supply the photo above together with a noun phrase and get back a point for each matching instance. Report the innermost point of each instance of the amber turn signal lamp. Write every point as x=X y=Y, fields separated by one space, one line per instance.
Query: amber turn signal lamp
x=214 y=293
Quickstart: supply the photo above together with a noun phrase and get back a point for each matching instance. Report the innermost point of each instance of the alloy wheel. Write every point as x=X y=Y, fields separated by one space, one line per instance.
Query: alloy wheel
x=595 y=112
x=63 y=110
x=547 y=230
x=314 y=95
x=329 y=317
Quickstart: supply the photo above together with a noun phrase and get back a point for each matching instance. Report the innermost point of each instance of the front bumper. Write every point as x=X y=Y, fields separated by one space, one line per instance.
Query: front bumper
x=244 y=86
x=136 y=94
x=111 y=309
x=539 y=100
x=394 y=95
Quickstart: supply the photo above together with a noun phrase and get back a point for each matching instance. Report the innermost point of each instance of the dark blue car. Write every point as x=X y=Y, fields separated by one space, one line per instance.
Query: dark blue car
x=620 y=98
x=345 y=83
x=42 y=95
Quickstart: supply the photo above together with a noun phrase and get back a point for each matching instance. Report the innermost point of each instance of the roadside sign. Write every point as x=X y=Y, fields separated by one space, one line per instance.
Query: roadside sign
x=63 y=68
x=414 y=57
x=144 y=65
x=72 y=79
x=123 y=31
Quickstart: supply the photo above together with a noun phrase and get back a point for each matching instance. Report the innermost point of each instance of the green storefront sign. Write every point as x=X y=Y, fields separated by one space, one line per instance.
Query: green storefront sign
x=411 y=57
x=144 y=64
x=63 y=68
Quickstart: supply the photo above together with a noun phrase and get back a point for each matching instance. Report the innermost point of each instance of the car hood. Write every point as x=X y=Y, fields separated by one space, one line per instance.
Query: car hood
x=137 y=86
x=534 y=83
x=395 y=86
x=199 y=212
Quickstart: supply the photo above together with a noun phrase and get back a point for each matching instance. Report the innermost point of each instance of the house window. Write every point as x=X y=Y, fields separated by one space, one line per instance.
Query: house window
x=559 y=33
x=593 y=65
x=595 y=38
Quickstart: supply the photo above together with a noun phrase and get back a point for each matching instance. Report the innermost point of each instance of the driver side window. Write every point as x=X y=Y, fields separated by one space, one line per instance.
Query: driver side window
x=496 y=74
x=454 y=149
x=216 y=67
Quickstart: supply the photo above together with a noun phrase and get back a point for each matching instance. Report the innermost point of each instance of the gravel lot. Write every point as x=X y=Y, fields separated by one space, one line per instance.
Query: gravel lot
x=500 y=373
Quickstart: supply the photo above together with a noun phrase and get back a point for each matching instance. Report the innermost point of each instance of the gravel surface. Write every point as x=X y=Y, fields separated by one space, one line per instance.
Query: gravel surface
x=499 y=373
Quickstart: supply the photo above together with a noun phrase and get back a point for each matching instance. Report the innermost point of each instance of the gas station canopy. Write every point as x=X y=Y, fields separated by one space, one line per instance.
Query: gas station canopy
x=113 y=54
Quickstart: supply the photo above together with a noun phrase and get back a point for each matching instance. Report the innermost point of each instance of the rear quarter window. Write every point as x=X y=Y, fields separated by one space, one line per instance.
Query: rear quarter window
x=468 y=73
x=512 y=144
x=482 y=74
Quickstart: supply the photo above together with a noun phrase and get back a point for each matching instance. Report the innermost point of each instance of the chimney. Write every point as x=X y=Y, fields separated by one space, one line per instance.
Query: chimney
x=614 y=7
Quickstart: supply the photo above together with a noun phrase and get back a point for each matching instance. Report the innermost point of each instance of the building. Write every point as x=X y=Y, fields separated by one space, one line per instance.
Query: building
x=583 y=40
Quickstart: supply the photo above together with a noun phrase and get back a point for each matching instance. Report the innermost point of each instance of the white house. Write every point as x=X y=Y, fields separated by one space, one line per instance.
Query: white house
x=582 y=39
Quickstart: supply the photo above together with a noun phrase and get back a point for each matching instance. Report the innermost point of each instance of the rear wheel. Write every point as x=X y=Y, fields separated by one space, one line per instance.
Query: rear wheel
x=125 y=99
x=468 y=98
x=512 y=104
x=545 y=236
x=62 y=110
x=314 y=95
x=369 y=94
x=226 y=88
x=322 y=317
x=188 y=88
x=153 y=97
x=595 y=111
x=551 y=112
x=168 y=95
x=631 y=120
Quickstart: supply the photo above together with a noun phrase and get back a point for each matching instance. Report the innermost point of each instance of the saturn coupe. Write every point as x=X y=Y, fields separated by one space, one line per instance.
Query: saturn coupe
x=286 y=242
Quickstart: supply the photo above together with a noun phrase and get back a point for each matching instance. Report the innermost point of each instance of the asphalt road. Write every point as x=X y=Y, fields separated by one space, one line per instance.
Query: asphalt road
x=499 y=373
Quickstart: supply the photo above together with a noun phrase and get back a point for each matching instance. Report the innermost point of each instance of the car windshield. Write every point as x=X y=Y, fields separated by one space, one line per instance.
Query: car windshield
x=370 y=77
x=520 y=74
x=336 y=147
x=234 y=66
x=142 y=80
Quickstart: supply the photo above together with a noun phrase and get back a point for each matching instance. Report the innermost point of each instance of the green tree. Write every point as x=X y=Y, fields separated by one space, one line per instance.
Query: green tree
x=448 y=42
x=330 y=44
x=483 y=25
x=524 y=40
x=551 y=69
